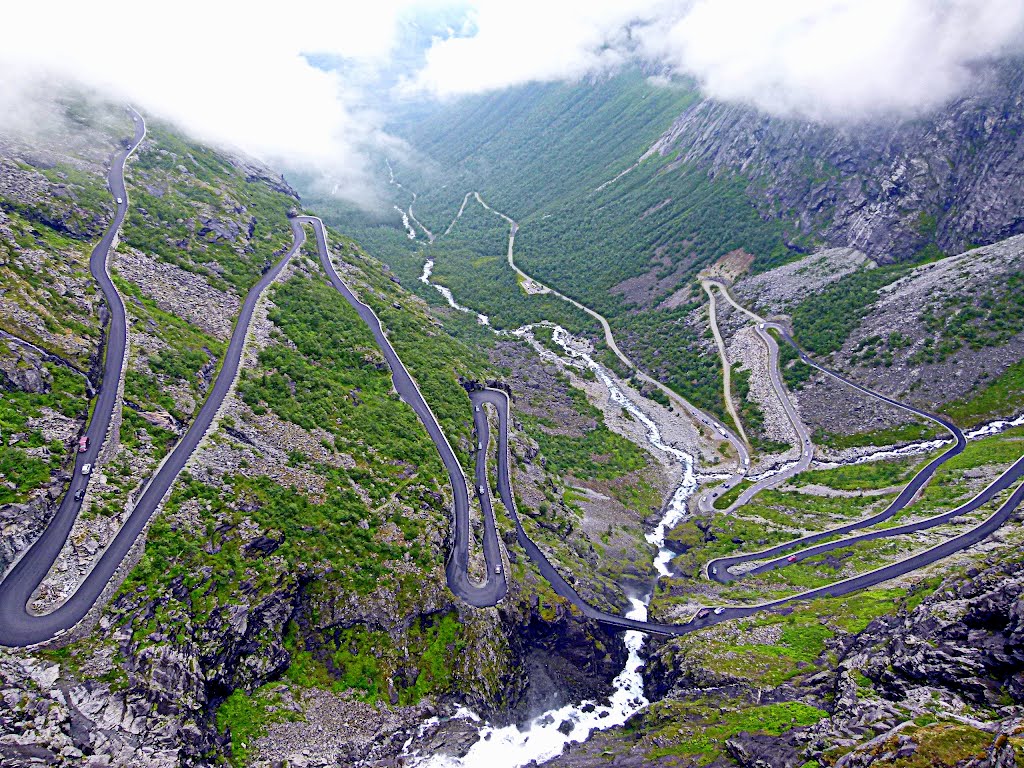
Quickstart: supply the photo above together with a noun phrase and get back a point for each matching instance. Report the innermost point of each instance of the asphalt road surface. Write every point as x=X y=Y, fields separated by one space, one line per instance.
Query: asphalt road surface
x=726 y=367
x=496 y=586
x=457 y=567
x=704 y=421
x=706 y=501
x=708 y=617
x=719 y=569
x=480 y=398
x=17 y=626
x=458 y=564
x=20 y=628
x=35 y=562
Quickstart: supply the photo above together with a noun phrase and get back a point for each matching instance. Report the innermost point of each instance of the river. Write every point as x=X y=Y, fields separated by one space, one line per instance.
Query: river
x=545 y=736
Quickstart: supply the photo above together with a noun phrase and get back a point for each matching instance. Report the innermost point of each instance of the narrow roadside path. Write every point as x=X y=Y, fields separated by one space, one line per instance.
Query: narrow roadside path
x=730 y=406
x=458 y=215
x=51 y=357
x=706 y=502
x=701 y=419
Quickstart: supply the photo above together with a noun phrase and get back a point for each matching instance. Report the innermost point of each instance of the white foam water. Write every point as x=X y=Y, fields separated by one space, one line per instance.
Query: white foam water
x=927 y=446
x=428 y=269
x=994 y=428
x=676 y=509
x=545 y=737
x=409 y=231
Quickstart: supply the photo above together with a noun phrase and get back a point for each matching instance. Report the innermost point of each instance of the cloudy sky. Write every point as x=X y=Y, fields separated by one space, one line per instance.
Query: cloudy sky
x=301 y=83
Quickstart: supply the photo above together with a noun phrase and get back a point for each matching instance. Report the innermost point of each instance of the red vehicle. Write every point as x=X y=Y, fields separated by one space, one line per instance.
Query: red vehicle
x=791 y=558
x=83 y=444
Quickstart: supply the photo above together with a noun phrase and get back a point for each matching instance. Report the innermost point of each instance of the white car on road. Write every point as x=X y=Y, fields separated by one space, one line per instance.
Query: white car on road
x=86 y=469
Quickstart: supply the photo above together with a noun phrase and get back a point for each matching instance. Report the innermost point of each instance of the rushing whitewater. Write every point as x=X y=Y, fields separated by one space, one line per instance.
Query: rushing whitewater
x=985 y=430
x=541 y=739
x=676 y=509
x=409 y=231
x=428 y=268
x=544 y=737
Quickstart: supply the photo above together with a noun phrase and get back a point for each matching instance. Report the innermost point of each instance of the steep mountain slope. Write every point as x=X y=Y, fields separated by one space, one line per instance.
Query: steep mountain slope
x=890 y=188
x=944 y=335
x=299 y=560
x=936 y=682
x=729 y=193
x=535 y=144
x=718 y=179
x=289 y=603
x=52 y=204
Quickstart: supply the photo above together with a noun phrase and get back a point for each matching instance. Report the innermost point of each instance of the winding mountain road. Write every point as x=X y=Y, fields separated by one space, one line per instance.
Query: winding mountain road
x=708 y=618
x=719 y=569
x=706 y=502
x=18 y=627
x=457 y=568
x=699 y=417
x=730 y=406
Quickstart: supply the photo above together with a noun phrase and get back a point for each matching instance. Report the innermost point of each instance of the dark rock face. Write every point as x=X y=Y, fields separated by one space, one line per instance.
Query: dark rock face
x=24 y=371
x=163 y=712
x=867 y=185
x=967 y=638
x=160 y=709
x=22 y=524
x=565 y=658
x=752 y=750
x=955 y=660
x=963 y=645
x=263 y=545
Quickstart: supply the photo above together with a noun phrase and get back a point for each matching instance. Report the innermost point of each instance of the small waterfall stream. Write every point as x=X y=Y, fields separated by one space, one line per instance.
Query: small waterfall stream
x=545 y=736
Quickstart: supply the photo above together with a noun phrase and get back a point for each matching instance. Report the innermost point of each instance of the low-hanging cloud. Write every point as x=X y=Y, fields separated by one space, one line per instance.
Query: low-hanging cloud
x=822 y=59
x=307 y=86
x=232 y=74
x=836 y=59
x=529 y=41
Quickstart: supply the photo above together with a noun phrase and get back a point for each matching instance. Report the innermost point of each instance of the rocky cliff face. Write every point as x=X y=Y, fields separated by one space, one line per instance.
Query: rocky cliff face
x=148 y=693
x=961 y=650
x=890 y=188
x=935 y=683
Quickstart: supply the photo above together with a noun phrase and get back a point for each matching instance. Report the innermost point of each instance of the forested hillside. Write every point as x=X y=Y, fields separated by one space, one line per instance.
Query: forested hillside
x=716 y=179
